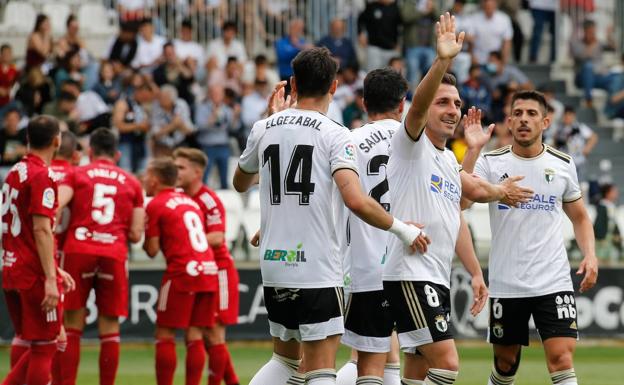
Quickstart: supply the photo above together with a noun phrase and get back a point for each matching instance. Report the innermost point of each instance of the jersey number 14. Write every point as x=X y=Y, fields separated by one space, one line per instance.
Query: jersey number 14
x=298 y=174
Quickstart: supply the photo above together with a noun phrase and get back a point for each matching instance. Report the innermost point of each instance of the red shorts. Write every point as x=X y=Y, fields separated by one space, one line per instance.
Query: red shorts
x=29 y=320
x=109 y=278
x=180 y=309
x=227 y=310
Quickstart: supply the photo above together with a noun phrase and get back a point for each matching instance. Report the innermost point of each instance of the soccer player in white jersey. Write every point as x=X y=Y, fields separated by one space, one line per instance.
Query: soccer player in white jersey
x=528 y=269
x=299 y=154
x=427 y=184
x=368 y=323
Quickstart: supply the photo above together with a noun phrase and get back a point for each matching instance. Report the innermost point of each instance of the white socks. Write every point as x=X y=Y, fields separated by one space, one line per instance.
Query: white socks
x=392 y=374
x=321 y=377
x=347 y=375
x=277 y=371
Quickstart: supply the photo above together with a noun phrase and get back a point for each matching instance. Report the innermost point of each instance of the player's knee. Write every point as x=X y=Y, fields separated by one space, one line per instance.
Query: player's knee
x=560 y=360
x=507 y=364
x=448 y=363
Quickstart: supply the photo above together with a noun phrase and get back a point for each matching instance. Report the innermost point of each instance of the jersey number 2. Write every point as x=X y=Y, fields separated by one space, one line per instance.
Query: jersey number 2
x=298 y=173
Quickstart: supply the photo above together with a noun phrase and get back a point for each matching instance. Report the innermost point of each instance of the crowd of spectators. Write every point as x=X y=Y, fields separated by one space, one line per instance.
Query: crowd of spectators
x=161 y=93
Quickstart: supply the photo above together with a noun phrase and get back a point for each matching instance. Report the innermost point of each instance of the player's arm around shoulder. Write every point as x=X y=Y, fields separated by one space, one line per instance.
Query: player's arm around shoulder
x=584 y=233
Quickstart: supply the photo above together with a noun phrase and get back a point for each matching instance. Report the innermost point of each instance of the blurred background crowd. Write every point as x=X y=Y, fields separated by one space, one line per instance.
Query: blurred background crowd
x=170 y=73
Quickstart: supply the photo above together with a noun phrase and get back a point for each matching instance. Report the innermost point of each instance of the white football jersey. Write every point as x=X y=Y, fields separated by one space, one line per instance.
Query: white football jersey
x=296 y=153
x=364 y=246
x=425 y=187
x=528 y=257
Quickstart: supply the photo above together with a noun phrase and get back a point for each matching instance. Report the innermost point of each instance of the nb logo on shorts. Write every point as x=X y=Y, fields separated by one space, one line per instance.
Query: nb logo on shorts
x=565 y=307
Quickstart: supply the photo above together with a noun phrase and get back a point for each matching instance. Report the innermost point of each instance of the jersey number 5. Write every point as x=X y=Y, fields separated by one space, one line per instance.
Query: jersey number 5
x=103 y=203
x=298 y=173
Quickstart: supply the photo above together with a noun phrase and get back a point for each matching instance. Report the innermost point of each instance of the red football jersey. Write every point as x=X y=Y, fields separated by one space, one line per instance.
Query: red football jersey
x=102 y=205
x=62 y=171
x=28 y=190
x=175 y=218
x=214 y=214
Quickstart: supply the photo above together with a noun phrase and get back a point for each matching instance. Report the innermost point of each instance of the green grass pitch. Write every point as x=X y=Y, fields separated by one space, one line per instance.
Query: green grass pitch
x=595 y=365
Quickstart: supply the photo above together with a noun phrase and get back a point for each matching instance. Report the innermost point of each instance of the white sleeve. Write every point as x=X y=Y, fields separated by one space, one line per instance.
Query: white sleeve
x=249 y=161
x=573 y=190
x=508 y=33
x=404 y=146
x=482 y=168
x=342 y=151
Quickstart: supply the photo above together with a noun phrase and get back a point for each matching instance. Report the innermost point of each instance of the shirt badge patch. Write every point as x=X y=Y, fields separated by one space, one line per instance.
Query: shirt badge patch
x=350 y=151
x=549 y=175
x=48 y=198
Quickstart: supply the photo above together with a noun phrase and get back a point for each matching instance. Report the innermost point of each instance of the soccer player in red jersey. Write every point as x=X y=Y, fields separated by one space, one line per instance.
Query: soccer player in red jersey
x=31 y=278
x=62 y=167
x=191 y=164
x=106 y=212
x=187 y=297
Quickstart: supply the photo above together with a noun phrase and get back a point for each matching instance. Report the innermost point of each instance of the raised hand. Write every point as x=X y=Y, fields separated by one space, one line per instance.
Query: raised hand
x=473 y=131
x=514 y=193
x=449 y=44
x=277 y=102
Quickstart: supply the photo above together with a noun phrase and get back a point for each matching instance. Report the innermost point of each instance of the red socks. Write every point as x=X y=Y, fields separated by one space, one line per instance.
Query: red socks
x=71 y=357
x=230 y=376
x=40 y=363
x=165 y=361
x=17 y=375
x=109 y=358
x=18 y=347
x=220 y=366
x=59 y=356
x=195 y=361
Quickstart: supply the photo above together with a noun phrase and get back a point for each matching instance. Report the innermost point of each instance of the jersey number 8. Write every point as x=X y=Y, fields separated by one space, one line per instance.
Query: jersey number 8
x=196 y=231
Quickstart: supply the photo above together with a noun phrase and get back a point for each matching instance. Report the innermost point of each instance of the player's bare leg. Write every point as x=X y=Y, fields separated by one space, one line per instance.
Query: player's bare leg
x=166 y=359
x=218 y=356
x=108 y=326
x=506 y=363
x=415 y=369
x=443 y=361
x=320 y=360
x=392 y=370
x=284 y=363
x=74 y=321
x=195 y=355
x=559 y=360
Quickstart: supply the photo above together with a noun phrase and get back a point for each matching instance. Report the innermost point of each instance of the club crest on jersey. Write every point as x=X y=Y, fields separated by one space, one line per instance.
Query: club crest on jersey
x=549 y=175
x=441 y=324
x=350 y=151
x=291 y=257
x=497 y=330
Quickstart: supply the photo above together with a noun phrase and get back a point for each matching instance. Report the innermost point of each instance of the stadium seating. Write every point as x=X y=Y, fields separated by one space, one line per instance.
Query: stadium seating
x=57 y=12
x=19 y=18
x=94 y=19
x=251 y=219
x=234 y=210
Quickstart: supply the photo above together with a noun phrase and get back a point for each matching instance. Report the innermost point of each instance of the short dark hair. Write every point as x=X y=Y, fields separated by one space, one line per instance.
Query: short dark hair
x=394 y=59
x=497 y=54
x=449 y=79
x=531 y=95
x=5 y=46
x=549 y=108
x=193 y=155
x=588 y=23
x=165 y=170
x=69 y=144
x=568 y=108
x=261 y=59
x=41 y=131
x=12 y=110
x=70 y=19
x=66 y=96
x=384 y=88
x=229 y=24
x=314 y=70
x=103 y=142
x=187 y=23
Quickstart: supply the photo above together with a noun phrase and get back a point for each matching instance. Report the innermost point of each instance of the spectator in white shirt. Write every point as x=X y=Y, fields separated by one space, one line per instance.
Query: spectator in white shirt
x=187 y=48
x=150 y=47
x=254 y=105
x=491 y=30
x=226 y=46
